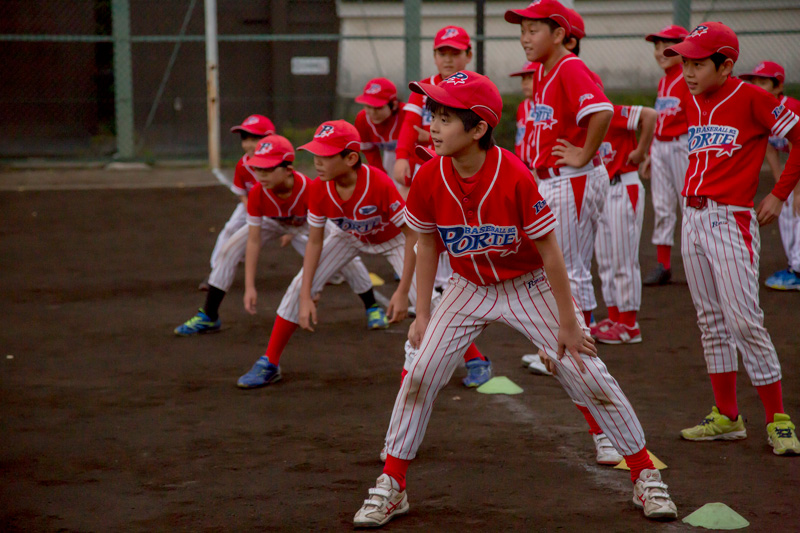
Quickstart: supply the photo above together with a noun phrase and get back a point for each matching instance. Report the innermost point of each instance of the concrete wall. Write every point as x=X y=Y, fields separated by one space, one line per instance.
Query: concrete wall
x=614 y=48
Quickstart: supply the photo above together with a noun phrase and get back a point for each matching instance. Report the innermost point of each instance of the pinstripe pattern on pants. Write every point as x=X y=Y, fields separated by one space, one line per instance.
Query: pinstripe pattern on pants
x=577 y=200
x=237 y=221
x=789 y=225
x=669 y=161
x=720 y=248
x=526 y=304
x=338 y=249
x=617 y=245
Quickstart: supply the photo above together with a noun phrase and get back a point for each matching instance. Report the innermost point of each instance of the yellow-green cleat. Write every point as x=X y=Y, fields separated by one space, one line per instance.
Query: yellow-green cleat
x=716 y=426
x=782 y=436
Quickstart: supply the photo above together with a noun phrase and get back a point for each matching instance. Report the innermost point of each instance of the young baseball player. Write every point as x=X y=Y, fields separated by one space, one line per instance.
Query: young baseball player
x=366 y=211
x=729 y=123
x=521 y=144
x=276 y=207
x=620 y=227
x=770 y=76
x=570 y=117
x=379 y=123
x=669 y=155
x=483 y=204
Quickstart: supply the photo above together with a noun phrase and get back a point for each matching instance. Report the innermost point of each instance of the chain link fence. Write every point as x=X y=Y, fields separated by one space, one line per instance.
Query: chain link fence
x=299 y=62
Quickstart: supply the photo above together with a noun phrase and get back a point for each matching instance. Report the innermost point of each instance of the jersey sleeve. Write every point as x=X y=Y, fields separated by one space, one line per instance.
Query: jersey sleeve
x=254 y=210
x=537 y=218
x=626 y=117
x=239 y=179
x=419 y=210
x=316 y=203
x=781 y=122
x=395 y=204
x=412 y=116
x=583 y=94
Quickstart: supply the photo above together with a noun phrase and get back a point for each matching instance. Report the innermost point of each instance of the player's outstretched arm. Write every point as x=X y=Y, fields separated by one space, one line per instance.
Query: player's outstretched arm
x=647 y=129
x=572 y=341
x=308 y=310
x=578 y=156
x=250 y=265
x=398 y=305
x=427 y=263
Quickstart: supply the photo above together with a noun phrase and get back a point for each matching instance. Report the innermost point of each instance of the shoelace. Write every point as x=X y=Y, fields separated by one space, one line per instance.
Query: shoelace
x=783 y=433
x=706 y=421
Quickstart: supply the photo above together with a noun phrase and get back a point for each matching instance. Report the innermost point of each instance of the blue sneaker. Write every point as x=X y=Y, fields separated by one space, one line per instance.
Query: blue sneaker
x=478 y=373
x=263 y=373
x=376 y=318
x=784 y=280
x=199 y=323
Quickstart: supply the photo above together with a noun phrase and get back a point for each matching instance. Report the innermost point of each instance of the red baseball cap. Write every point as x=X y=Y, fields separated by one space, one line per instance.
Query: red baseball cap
x=576 y=22
x=542 y=9
x=766 y=69
x=465 y=90
x=255 y=125
x=529 y=68
x=452 y=36
x=271 y=151
x=424 y=153
x=333 y=137
x=705 y=40
x=673 y=32
x=377 y=93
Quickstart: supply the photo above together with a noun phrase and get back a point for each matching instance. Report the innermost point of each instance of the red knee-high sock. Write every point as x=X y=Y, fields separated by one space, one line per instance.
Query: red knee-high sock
x=638 y=462
x=613 y=313
x=594 y=429
x=724 y=385
x=587 y=317
x=663 y=253
x=397 y=469
x=282 y=331
x=772 y=398
x=473 y=353
x=628 y=318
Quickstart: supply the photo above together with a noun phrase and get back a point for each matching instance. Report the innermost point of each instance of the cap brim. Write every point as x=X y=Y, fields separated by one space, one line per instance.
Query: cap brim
x=268 y=162
x=424 y=154
x=653 y=37
x=371 y=101
x=514 y=16
x=321 y=149
x=437 y=94
x=451 y=44
x=688 y=49
x=751 y=75
x=251 y=131
x=523 y=73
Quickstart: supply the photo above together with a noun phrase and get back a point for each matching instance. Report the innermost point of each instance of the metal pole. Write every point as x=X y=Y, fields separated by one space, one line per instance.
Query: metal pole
x=212 y=83
x=123 y=77
x=480 y=8
x=413 y=19
x=682 y=13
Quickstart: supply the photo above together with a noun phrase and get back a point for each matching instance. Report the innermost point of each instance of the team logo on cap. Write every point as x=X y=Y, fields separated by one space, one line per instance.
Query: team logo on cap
x=712 y=138
x=450 y=33
x=534 y=3
x=374 y=88
x=542 y=115
x=470 y=240
x=324 y=131
x=698 y=31
x=457 y=78
x=263 y=148
x=249 y=121
x=760 y=67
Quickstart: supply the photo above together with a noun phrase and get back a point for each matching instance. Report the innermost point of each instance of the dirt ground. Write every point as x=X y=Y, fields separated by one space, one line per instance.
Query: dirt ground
x=110 y=423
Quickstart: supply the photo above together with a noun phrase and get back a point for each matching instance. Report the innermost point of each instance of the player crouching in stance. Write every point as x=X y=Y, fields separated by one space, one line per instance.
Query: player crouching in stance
x=483 y=204
x=729 y=122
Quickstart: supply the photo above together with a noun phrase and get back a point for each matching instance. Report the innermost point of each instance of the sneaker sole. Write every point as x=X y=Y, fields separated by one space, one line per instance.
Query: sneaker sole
x=733 y=435
x=270 y=382
x=368 y=525
x=787 y=451
x=664 y=515
x=538 y=369
x=203 y=332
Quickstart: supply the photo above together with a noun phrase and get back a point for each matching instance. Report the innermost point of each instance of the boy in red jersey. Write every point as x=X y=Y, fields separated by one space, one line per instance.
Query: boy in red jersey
x=482 y=203
x=522 y=147
x=669 y=155
x=770 y=77
x=729 y=123
x=379 y=123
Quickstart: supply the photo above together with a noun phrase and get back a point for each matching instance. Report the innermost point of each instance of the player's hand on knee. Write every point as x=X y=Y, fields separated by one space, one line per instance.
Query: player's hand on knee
x=250 y=299
x=308 y=314
x=402 y=171
x=286 y=239
x=397 y=310
x=769 y=209
x=416 y=331
x=548 y=363
x=573 y=342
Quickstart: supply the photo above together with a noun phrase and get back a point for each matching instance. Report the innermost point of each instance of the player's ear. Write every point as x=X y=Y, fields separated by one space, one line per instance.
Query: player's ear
x=727 y=67
x=480 y=130
x=352 y=158
x=559 y=35
x=469 y=54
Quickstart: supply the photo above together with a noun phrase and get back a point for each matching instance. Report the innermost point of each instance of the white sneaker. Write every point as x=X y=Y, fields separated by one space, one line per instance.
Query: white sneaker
x=606 y=453
x=385 y=502
x=650 y=494
x=535 y=364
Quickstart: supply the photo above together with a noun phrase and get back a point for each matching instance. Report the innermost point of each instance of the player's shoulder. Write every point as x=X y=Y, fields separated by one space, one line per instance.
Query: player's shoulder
x=750 y=90
x=361 y=118
x=512 y=167
x=377 y=175
x=793 y=104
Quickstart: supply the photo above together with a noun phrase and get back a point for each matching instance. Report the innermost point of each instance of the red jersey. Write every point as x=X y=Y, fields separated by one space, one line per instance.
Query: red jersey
x=563 y=100
x=522 y=145
x=486 y=224
x=728 y=131
x=672 y=90
x=373 y=214
x=378 y=138
x=244 y=179
x=415 y=115
x=290 y=211
x=620 y=140
x=781 y=144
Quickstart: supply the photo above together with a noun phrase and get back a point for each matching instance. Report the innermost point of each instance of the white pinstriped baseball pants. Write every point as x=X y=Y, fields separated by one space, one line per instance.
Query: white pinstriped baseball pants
x=577 y=201
x=789 y=225
x=339 y=249
x=617 y=245
x=526 y=304
x=237 y=221
x=669 y=161
x=720 y=248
